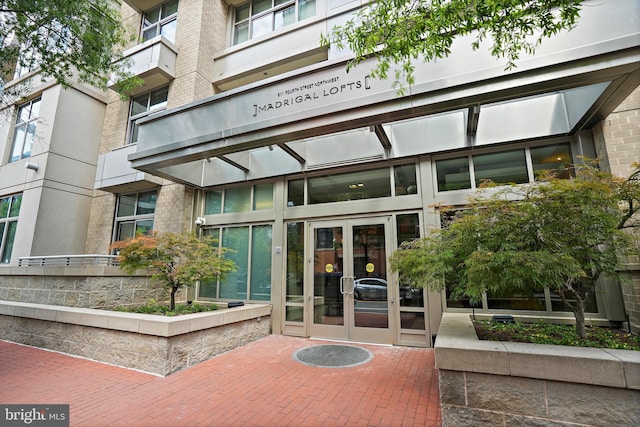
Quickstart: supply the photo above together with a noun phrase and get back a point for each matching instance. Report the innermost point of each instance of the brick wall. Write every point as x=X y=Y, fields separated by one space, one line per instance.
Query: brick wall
x=620 y=134
x=174 y=209
x=197 y=39
x=101 y=220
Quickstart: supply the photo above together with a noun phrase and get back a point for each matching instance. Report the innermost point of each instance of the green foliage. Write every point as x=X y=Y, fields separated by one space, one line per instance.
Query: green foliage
x=399 y=31
x=62 y=37
x=153 y=307
x=559 y=233
x=177 y=260
x=548 y=333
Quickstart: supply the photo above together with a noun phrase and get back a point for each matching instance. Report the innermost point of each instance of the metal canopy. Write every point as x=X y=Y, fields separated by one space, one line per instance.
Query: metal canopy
x=468 y=99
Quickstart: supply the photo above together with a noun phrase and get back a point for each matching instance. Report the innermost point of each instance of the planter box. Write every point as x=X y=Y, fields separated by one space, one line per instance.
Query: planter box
x=155 y=344
x=505 y=383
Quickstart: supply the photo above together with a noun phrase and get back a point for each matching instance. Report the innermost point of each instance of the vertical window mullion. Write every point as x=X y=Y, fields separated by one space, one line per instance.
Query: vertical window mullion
x=249 y=256
x=527 y=158
x=3 y=233
x=472 y=172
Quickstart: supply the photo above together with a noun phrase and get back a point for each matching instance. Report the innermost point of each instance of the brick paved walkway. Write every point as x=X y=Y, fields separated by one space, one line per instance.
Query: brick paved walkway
x=259 y=384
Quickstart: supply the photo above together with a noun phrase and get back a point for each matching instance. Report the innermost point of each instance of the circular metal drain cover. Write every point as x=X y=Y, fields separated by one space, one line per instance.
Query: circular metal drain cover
x=333 y=356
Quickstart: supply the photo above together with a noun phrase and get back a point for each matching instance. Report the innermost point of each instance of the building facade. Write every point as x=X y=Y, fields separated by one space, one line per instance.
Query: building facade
x=248 y=130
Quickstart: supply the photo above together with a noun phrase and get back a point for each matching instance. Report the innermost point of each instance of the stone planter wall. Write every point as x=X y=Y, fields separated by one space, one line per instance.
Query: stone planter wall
x=86 y=287
x=518 y=384
x=155 y=344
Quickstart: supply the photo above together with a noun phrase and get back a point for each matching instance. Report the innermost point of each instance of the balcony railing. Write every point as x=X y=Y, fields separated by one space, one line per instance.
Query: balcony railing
x=68 y=260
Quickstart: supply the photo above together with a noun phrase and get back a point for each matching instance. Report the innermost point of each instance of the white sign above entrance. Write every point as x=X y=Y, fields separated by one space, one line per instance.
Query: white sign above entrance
x=314 y=91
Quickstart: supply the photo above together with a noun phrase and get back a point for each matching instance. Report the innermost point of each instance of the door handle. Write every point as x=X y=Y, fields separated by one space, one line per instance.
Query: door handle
x=342 y=284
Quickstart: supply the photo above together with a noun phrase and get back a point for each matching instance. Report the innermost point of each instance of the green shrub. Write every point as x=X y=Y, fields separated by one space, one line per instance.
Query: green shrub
x=548 y=333
x=153 y=307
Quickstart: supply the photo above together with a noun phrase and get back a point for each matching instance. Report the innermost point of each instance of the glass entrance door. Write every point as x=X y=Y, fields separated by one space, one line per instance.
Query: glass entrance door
x=352 y=293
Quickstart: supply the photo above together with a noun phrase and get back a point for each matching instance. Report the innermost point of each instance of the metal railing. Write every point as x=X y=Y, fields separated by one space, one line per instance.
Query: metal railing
x=68 y=260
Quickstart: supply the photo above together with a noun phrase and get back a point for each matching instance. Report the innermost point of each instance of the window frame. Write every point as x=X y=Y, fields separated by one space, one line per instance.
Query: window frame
x=304 y=193
x=18 y=123
x=218 y=233
x=253 y=202
x=251 y=18
x=135 y=218
x=150 y=109
x=6 y=221
x=531 y=170
x=160 y=23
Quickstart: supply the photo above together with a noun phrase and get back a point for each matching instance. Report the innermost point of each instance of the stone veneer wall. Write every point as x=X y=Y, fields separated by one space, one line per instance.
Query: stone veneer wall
x=154 y=344
x=87 y=287
x=518 y=384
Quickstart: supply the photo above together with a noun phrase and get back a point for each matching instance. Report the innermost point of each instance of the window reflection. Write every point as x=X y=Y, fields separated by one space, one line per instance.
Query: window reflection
x=556 y=159
x=327 y=270
x=263 y=196
x=295 y=192
x=234 y=285
x=368 y=184
x=295 y=261
x=412 y=320
x=501 y=168
x=408 y=229
x=237 y=199
x=260 y=285
x=405 y=179
x=250 y=250
x=453 y=174
x=535 y=302
x=213 y=202
x=294 y=314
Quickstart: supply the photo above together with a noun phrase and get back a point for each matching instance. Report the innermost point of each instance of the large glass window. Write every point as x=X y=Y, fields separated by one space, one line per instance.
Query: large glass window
x=25 y=130
x=347 y=186
x=258 y=17
x=134 y=214
x=58 y=40
x=213 y=202
x=405 y=179
x=260 y=281
x=239 y=199
x=408 y=229
x=263 y=196
x=142 y=106
x=504 y=167
x=295 y=262
x=453 y=174
x=250 y=250
x=555 y=159
x=161 y=20
x=295 y=192
x=9 y=212
x=369 y=184
x=541 y=299
x=29 y=61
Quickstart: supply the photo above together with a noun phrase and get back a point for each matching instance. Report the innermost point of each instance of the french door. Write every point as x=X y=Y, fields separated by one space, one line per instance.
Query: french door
x=353 y=293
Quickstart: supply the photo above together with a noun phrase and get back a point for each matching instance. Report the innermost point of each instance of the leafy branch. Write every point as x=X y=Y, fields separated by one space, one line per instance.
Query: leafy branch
x=397 y=32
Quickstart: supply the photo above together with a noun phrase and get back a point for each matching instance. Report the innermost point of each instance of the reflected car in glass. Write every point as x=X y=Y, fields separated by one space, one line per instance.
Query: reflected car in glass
x=370 y=288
